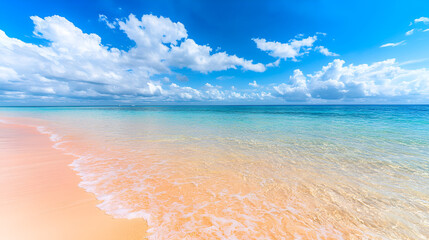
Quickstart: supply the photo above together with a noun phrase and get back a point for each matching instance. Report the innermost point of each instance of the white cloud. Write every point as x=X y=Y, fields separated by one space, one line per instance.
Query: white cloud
x=296 y=91
x=161 y=41
x=325 y=51
x=198 y=58
x=213 y=93
x=7 y=74
x=393 y=44
x=103 y=18
x=291 y=50
x=424 y=20
x=75 y=65
x=253 y=84
x=380 y=80
x=274 y=64
x=177 y=93
x=409 y=32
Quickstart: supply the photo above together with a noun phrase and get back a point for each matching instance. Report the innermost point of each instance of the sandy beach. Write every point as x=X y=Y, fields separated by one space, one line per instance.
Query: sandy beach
x=40 y=197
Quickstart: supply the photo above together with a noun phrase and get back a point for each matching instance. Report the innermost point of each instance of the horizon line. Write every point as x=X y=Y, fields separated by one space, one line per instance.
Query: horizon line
x=219 y=105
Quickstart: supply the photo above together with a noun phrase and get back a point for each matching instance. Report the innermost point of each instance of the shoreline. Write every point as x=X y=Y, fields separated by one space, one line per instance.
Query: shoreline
x=40 y=197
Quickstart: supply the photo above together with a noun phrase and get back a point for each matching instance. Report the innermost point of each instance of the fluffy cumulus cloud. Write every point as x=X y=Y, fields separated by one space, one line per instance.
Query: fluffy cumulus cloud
x=199 y=58
x=384 y=80
x=296 y=91
x=292 y=50
x=76 y=65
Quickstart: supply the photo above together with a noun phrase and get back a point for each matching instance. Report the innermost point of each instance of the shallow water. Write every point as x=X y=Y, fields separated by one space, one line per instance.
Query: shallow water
x=251 y=172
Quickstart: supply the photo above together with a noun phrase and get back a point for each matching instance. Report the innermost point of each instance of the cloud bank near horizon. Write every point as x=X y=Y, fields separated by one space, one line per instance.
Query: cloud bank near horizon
x=379 y=81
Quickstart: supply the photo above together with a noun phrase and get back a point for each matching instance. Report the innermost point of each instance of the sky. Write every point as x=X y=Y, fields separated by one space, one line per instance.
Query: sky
x=214 y=52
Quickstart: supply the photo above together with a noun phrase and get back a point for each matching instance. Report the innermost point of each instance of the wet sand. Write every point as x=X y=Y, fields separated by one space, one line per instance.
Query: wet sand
x=40 y=197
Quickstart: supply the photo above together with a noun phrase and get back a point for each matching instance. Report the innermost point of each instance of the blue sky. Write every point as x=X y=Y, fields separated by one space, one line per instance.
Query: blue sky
x=262 y=52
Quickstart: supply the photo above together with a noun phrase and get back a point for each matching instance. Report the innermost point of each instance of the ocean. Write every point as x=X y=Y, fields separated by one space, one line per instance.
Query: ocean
x=250 y=172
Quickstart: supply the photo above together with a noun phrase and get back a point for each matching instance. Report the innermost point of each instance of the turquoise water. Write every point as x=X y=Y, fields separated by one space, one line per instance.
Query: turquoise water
x=262 y=172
